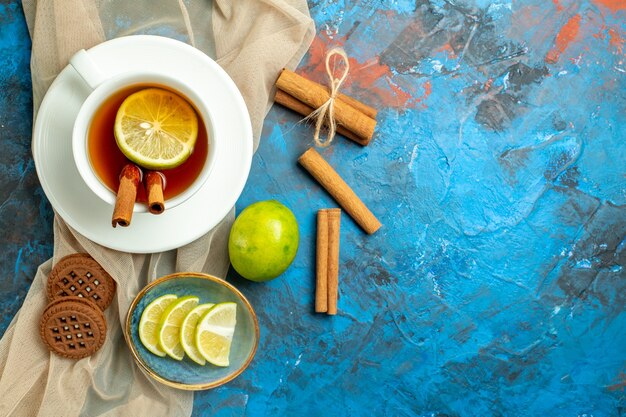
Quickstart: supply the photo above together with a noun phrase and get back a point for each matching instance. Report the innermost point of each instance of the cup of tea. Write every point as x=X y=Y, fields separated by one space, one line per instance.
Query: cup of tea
x=96 y=154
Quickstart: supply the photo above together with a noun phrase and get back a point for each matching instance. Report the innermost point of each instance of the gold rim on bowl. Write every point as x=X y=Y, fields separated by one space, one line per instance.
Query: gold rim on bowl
x=190 y=387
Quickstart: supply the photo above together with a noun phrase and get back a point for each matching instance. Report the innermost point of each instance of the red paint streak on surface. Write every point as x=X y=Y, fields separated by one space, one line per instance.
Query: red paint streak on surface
x=616 y=40
x=390 y=14
x=620 y=385
x=564 y=38
x=575 y=61
x=428 y=89
x=316 y=66
x=402 y=98
x=601 y=34
x=559 y=6
x=448 y=49
x=369 y=81
x=613 y=5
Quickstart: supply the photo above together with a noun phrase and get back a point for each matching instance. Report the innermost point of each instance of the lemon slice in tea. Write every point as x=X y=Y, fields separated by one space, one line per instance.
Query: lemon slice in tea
x=150 y=321
x=156 y=128
x=171 y=322
x=214 y=333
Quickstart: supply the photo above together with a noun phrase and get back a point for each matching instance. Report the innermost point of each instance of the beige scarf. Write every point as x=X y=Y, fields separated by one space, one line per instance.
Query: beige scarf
x=252 y=40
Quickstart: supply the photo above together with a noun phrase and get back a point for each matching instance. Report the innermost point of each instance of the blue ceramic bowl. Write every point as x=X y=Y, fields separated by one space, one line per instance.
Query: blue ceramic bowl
x=187 y=374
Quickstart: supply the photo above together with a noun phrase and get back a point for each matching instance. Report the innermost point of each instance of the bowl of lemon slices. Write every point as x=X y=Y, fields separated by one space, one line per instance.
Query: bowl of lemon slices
x=192 y=331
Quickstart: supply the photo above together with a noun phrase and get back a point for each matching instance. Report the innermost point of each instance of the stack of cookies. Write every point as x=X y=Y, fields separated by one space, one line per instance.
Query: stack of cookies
x=79 y=290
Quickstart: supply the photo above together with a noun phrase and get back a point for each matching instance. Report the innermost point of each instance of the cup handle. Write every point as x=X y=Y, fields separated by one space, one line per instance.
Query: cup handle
x=88 y=71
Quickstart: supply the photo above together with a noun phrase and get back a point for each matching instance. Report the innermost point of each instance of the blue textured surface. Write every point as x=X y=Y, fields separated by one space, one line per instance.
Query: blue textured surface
x=186 y=371
x=496 y=286
x=25 y=214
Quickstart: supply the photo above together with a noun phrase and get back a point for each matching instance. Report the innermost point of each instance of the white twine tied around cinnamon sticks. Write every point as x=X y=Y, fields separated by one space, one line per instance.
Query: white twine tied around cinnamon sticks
x=325 y=114
x=343 y=114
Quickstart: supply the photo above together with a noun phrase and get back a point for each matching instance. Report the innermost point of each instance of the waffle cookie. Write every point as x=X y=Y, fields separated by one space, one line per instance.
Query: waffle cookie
x=73 y=327
x=80 y=275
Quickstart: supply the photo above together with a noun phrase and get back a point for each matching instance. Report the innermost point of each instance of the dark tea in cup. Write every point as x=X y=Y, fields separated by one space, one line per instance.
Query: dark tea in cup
x=107 y=160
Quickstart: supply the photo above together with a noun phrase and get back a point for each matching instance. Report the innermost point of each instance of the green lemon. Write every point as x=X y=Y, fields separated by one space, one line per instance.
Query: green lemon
x=263 y=241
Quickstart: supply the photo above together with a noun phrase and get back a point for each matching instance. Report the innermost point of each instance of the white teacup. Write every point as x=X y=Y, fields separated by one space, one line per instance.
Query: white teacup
x=104 y=87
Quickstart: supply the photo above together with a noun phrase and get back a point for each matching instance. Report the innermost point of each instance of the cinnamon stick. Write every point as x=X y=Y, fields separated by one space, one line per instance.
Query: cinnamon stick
x=334 y=223
x=299 y=107
x=362 y=107
x=155 y=183
x=358 y=105
x=130 y=177
x=321 y=263
x=314 y=95
x=339 y=190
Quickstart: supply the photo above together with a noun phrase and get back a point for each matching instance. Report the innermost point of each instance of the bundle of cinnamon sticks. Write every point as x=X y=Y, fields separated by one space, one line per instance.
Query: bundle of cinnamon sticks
x=356 y=120
x=327 y=261
x=130 y=178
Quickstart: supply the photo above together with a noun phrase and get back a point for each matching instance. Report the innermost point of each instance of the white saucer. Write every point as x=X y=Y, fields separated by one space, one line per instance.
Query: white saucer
x=86 y=212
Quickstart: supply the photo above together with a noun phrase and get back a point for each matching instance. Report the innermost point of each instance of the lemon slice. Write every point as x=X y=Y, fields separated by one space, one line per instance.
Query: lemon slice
x=214 y=333
x=156 y=128
x=171 y=321
x=149 y=323
x=188 y=333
